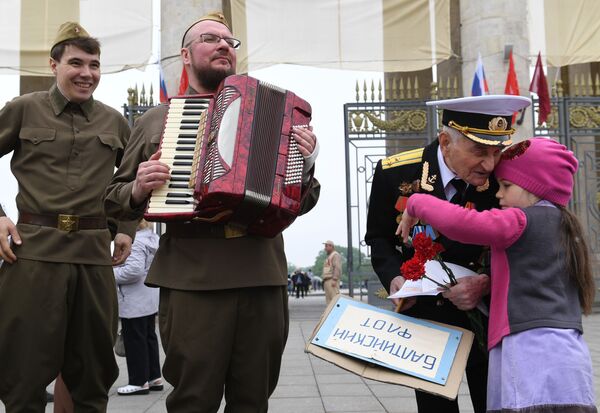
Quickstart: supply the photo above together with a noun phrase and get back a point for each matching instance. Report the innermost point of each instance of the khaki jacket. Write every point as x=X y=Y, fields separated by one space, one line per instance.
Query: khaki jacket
x=64 y=157
x=332 y=268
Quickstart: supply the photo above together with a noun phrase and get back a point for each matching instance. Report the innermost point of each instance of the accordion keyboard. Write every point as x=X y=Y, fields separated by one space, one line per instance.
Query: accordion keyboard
x=185 y=124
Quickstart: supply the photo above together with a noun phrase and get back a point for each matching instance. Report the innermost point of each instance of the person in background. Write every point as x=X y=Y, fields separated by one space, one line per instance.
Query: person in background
x=332 y=272
x=138 y=306
x=298 y=281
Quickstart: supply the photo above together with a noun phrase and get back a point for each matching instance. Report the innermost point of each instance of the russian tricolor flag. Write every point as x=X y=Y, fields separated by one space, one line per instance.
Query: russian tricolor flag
x=480 y=86
x=164 y=96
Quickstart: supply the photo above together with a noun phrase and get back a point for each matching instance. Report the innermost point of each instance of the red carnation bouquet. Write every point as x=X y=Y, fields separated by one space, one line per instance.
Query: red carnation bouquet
x=425 y=250
x=414 y=269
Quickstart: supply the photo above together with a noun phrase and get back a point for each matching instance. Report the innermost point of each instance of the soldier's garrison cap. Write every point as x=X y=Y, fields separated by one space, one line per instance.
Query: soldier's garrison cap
x=215 y=16
x=68 y=31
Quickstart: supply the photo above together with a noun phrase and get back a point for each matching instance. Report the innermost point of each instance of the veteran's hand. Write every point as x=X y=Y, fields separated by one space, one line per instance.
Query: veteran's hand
x=407 y=222
x=395 y=286
x=150 y=175
x=306 y=139
x=8 y=228
x=122 y=248
x=468 y=291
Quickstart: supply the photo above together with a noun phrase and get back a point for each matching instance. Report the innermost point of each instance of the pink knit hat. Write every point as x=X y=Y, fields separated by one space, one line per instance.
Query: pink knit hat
x=541 y=166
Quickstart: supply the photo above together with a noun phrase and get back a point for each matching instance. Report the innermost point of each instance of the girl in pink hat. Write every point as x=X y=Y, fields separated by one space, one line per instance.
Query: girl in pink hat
x=541 y=279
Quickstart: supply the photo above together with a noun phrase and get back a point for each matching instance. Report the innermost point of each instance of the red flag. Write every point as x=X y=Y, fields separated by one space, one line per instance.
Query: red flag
x=183 y=82
x=539 y=86
x=512 y=84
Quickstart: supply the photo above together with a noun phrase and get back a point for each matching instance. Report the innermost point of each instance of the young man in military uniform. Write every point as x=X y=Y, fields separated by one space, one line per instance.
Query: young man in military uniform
x=458 y=167
x=58 y=304
x=223 y=302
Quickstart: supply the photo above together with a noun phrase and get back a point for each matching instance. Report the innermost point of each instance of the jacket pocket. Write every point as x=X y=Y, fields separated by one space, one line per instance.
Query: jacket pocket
x=37 y=135
x=111 y=141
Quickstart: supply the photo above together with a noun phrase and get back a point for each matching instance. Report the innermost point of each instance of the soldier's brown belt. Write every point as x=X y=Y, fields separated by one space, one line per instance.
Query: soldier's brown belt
x=63 y=222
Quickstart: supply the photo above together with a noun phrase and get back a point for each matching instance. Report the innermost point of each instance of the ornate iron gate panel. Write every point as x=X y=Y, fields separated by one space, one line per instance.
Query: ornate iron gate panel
x=373 y=131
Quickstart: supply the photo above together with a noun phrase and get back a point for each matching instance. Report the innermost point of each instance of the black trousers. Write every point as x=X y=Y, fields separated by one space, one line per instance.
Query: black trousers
x=434 y=308
x=141 y=349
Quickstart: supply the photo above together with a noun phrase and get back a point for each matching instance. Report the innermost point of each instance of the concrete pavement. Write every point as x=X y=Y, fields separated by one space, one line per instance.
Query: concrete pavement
x=310 y=385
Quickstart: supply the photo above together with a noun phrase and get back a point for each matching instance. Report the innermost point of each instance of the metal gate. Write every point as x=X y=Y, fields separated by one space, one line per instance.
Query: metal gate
x=373 y=131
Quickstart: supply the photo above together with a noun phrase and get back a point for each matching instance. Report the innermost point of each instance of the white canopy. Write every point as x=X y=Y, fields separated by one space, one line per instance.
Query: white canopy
x=28 y=28
x=376 y=35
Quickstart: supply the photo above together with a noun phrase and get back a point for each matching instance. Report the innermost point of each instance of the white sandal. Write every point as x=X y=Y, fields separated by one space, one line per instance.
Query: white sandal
x=156 y=384
x=131 y=390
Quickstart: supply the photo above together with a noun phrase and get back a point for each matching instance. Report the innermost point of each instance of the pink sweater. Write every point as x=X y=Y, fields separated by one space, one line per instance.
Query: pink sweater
x=495 y=228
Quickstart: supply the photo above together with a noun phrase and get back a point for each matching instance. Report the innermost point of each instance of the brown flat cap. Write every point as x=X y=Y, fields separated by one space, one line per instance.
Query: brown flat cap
x=68 y=31
x=215 y=16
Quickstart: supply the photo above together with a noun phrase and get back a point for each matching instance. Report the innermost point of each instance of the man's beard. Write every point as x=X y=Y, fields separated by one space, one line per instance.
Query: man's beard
x=210 y=78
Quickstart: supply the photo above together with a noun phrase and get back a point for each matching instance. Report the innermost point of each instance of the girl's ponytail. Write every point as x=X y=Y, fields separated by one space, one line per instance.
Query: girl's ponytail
x=577 y=256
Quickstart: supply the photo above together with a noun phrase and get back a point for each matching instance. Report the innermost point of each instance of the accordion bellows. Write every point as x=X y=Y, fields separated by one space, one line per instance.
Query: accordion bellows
x=232 y=157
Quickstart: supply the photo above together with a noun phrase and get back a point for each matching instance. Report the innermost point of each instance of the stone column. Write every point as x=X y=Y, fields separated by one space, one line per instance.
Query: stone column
x=486 y=27
x=175 y=17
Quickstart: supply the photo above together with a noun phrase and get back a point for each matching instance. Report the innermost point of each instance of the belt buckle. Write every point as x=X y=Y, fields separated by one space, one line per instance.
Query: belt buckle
x=68 y=223
x=233 y=231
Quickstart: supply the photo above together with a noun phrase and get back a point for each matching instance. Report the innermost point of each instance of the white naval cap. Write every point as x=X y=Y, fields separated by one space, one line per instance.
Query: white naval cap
x=484 y=119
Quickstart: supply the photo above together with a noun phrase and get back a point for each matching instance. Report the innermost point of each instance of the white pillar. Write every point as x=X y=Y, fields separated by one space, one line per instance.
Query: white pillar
x=175 y=18
x=486 y=27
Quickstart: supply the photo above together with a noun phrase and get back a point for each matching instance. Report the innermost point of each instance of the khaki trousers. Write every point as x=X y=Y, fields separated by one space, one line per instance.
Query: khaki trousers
x=56 y=318
x=332 y=288
x=224 y=341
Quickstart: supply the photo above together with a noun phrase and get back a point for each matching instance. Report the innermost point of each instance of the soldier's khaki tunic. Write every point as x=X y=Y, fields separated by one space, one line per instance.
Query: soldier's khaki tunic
x=223 y=309
x=58 y=300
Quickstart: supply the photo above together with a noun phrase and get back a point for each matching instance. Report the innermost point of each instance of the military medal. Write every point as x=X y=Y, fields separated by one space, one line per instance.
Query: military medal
x=401 y=203
x=470 y=205
x=406 y=188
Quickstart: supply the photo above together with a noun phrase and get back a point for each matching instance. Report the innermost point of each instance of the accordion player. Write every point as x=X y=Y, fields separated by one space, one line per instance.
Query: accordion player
x=232 y=158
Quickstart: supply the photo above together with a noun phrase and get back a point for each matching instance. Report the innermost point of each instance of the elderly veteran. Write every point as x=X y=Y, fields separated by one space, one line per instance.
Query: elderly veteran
x=457 y=166
x=58 y=302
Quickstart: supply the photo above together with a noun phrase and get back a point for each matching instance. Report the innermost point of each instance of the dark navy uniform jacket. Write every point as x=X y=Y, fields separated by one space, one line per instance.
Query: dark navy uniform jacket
x=397 y=176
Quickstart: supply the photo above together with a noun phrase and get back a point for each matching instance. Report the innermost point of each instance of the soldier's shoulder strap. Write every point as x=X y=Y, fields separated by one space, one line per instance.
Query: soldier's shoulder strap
x=403 y=158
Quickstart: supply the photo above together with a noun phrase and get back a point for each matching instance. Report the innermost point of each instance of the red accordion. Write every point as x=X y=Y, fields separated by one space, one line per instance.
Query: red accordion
x=232 y=158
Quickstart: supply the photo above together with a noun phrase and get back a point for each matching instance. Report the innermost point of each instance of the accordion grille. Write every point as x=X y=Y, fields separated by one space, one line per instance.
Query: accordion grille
x=213 y=168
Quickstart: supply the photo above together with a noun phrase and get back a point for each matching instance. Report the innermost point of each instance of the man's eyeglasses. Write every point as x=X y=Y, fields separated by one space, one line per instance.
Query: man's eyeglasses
x=215 y=38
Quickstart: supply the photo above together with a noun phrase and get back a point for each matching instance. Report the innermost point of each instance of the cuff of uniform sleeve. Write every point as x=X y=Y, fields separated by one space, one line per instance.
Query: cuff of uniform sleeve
x=131 y=211
x=127 y=228
x=309 y=162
